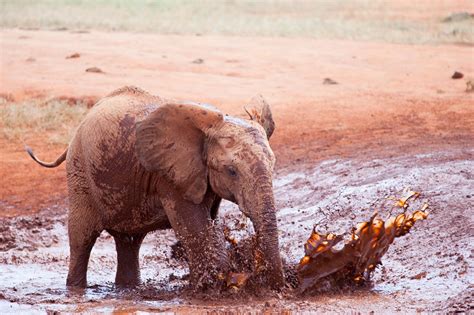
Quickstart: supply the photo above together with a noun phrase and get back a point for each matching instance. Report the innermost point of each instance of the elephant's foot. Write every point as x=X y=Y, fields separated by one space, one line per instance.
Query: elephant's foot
x=128 y=268
x=77 y=276
x=204 y=276
x=209 y=266
x=74 y=281
x=207 y=280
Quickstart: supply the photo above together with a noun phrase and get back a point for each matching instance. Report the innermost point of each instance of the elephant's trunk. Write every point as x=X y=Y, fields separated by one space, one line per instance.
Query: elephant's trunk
x=260 y=206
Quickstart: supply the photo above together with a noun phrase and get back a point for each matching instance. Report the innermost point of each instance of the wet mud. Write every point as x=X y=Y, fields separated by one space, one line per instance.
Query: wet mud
x=430 y=269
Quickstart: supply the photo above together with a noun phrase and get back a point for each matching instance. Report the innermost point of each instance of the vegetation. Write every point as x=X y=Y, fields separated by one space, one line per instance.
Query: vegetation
x=55 y=118
x=358 y=19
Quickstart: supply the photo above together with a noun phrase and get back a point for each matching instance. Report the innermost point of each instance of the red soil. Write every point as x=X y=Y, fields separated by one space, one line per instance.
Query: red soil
x=389 y=99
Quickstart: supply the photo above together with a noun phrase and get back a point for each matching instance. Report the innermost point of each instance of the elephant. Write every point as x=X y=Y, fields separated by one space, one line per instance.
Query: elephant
x=139 y=163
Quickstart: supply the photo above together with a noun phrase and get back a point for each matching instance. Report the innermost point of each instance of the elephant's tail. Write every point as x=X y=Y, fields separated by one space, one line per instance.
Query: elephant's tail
x=56 y=163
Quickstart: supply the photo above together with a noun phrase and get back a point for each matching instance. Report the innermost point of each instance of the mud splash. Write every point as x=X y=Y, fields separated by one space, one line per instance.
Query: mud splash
x=356 y=261
x=333 y=195
x=325 y=265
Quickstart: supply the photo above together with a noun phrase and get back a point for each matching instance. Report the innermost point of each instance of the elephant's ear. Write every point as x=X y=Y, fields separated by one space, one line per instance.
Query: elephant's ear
x=170 y=141
x=259 y=111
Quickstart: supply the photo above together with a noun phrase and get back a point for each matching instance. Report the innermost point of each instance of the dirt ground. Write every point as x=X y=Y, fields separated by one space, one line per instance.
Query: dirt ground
x=394 y=119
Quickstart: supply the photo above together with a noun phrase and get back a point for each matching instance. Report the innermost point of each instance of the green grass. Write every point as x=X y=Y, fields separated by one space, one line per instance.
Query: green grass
x=55 y=119
x=339 y=19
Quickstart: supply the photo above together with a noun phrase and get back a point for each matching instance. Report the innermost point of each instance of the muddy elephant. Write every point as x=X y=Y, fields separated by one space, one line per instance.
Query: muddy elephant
x=138 y=163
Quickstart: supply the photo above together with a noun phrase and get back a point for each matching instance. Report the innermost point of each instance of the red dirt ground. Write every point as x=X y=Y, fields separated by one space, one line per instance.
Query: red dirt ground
x=390 y=99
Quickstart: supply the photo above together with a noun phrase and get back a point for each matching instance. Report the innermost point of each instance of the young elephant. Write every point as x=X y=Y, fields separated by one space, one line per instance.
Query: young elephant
x=138 y=163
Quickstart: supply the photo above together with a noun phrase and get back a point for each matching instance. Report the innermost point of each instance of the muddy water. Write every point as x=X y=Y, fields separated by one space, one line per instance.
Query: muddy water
x=431 y=269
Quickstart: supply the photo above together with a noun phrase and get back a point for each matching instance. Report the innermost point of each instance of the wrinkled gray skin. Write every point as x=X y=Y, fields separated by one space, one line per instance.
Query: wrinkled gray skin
x=138 y=163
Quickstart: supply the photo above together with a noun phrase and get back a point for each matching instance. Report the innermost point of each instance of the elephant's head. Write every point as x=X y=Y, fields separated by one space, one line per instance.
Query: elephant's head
x=197 y=148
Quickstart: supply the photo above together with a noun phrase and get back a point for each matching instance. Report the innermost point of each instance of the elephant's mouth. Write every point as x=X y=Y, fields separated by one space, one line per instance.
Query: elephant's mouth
x=242 y=203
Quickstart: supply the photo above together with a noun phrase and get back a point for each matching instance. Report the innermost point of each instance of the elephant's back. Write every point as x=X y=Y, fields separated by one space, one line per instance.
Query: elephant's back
x=102 y=152
x=122 y=104
x=109 y=127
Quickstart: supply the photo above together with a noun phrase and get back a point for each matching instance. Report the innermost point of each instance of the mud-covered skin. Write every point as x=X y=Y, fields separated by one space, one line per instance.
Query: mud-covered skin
x=138 y=164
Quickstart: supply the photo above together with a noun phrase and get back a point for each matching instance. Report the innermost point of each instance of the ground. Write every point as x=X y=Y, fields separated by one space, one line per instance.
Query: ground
x=395 y=119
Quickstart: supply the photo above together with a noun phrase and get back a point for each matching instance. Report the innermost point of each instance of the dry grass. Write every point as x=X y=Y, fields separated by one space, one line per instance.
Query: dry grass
x=396 y=21
x=56 y=119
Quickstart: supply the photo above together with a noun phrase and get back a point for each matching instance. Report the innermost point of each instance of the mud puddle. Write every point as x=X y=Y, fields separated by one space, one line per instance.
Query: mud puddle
x=431 y=269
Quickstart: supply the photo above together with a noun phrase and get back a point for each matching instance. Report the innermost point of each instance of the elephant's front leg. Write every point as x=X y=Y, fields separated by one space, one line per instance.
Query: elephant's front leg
x=202 y=239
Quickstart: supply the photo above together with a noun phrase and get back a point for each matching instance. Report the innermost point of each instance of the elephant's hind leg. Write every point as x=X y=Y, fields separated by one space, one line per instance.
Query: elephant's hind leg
x=128 y=249
x=81 y=241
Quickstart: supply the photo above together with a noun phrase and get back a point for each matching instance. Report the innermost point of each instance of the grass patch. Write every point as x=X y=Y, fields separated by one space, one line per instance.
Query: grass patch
x=56 y=119
x=358 y=20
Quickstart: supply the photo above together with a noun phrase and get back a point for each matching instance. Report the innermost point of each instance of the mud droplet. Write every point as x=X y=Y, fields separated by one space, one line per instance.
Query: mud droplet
x=419 y=276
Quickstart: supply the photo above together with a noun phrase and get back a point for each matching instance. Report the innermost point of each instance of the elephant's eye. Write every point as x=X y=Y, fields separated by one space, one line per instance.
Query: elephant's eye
x=231 y=171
